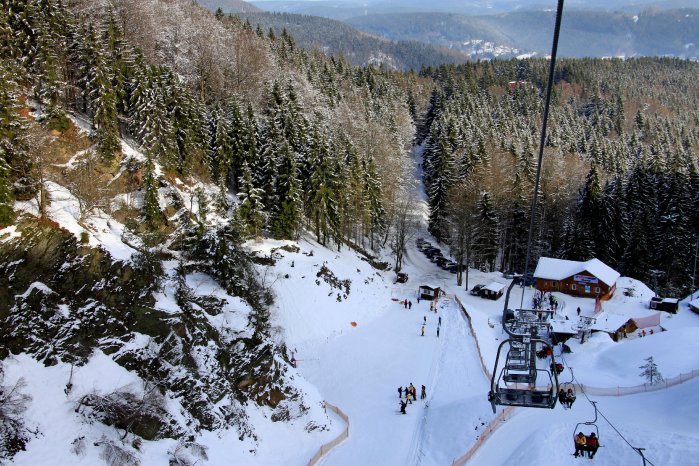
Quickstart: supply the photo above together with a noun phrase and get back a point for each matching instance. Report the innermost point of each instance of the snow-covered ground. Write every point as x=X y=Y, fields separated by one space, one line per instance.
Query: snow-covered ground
x=355 y=348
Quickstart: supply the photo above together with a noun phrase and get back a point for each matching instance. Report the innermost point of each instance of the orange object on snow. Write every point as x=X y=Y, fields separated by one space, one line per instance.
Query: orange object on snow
x=354 y=324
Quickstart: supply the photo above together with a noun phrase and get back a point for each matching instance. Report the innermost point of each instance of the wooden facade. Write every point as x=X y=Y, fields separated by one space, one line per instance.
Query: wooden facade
x=582 y=284
x=429 y=292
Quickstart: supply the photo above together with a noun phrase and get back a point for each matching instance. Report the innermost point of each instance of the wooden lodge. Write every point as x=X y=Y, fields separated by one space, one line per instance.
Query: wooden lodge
x=665 y=304
x=429 y=292
x=592 y=279
x=492 y=291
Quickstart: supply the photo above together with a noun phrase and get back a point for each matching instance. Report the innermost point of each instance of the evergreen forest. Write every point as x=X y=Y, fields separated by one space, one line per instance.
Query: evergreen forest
x=295 y=140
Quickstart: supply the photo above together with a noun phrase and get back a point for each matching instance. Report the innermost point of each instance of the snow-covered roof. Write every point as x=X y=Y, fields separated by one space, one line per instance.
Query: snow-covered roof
x=495 y=287
x=610 y=322
x=671 y=300
x=559 y=269
x=431 y=287
x=564 y=326
x=695 y=303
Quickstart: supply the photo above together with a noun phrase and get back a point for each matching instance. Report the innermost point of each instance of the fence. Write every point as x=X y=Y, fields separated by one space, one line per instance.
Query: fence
x=475 y=338
x=492 y=427
x=598 y=391
x=621 y=391
x=326 y=447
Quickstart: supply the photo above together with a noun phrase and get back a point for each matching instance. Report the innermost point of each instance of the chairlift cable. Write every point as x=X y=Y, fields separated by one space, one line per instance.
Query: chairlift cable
x=582 y=390
x=542 y=141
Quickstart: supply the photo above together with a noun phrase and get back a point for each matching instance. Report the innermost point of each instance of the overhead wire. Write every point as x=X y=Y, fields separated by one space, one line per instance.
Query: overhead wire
x=599 y=411
x=542 y=141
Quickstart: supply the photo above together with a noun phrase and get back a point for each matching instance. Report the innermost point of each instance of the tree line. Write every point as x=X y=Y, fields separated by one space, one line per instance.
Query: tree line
x=620 y=179
x=296 y=155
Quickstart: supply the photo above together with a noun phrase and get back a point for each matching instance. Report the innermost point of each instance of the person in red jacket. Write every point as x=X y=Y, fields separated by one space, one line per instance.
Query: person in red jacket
x=592 y=445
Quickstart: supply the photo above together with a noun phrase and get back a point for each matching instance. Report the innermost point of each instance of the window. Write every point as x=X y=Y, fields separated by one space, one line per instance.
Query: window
x=597 y=290
x=554 y=285
x=573 y=287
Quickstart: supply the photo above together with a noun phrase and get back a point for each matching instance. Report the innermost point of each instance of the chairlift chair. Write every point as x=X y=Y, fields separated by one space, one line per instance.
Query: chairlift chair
x=515 y=384
x=569 y=385
x=591 y=425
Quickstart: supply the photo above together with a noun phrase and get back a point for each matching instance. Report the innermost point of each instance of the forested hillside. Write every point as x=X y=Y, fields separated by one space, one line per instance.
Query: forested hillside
x=143 y=143
x=584 y=33
x=179 y=136
x=620 y=178
x=359 y=48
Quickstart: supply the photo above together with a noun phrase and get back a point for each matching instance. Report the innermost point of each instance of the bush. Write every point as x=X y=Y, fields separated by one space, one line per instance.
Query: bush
x=13 y=403
x=142 y=415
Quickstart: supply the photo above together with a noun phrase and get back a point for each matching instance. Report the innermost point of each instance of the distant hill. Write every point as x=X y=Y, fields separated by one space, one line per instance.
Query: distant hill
x=584 y=32
x=344 y=9
x=229 y=6
x=337 y=38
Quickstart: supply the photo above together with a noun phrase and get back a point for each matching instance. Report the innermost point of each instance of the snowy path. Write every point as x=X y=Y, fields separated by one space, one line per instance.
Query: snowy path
x=361 y=372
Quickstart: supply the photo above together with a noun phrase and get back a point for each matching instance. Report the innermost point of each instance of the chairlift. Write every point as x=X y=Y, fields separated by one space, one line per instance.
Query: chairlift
x=529 y=328
x=569 y=385
x=521 y=381
x=591 y=425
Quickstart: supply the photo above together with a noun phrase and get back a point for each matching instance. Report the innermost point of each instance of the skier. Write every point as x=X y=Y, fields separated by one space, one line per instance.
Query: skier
x=424 y=319
x=580 y=443
x=423 y=394
x=405 y=303
x=403 y=404
x=422 y=332
x=418 y=299
x=414 y=393
x=562 y=398
x=410 y=304
x=437 y=332
x=578 y=310
x=439 y=322
x=592 y=445
x=400 y=392
x=570 y=398
x=408 y=395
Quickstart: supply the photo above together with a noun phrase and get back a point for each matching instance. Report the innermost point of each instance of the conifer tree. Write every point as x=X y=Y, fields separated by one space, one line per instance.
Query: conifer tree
x=487 y=233
x=651 y=372
x=322 y=207
x=442 y=175
x=15 y=166
x=151 y=205
x=286 y=219
x=250 y=210
x=374 y=202
x=104 y=104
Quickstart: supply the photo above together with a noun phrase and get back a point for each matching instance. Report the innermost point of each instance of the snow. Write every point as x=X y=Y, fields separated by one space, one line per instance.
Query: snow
x=9 y=233
x=559 y=269
x=354 y=349
x=494 y=287
x=359 y=369
x=64 y=209
x=37 y=286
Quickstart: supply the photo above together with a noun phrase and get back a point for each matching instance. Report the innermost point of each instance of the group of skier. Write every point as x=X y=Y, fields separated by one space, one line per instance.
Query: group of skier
x=540 y=298
x=566 y=398
x=424 y=322
x=410 y=395
x=584 y=444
